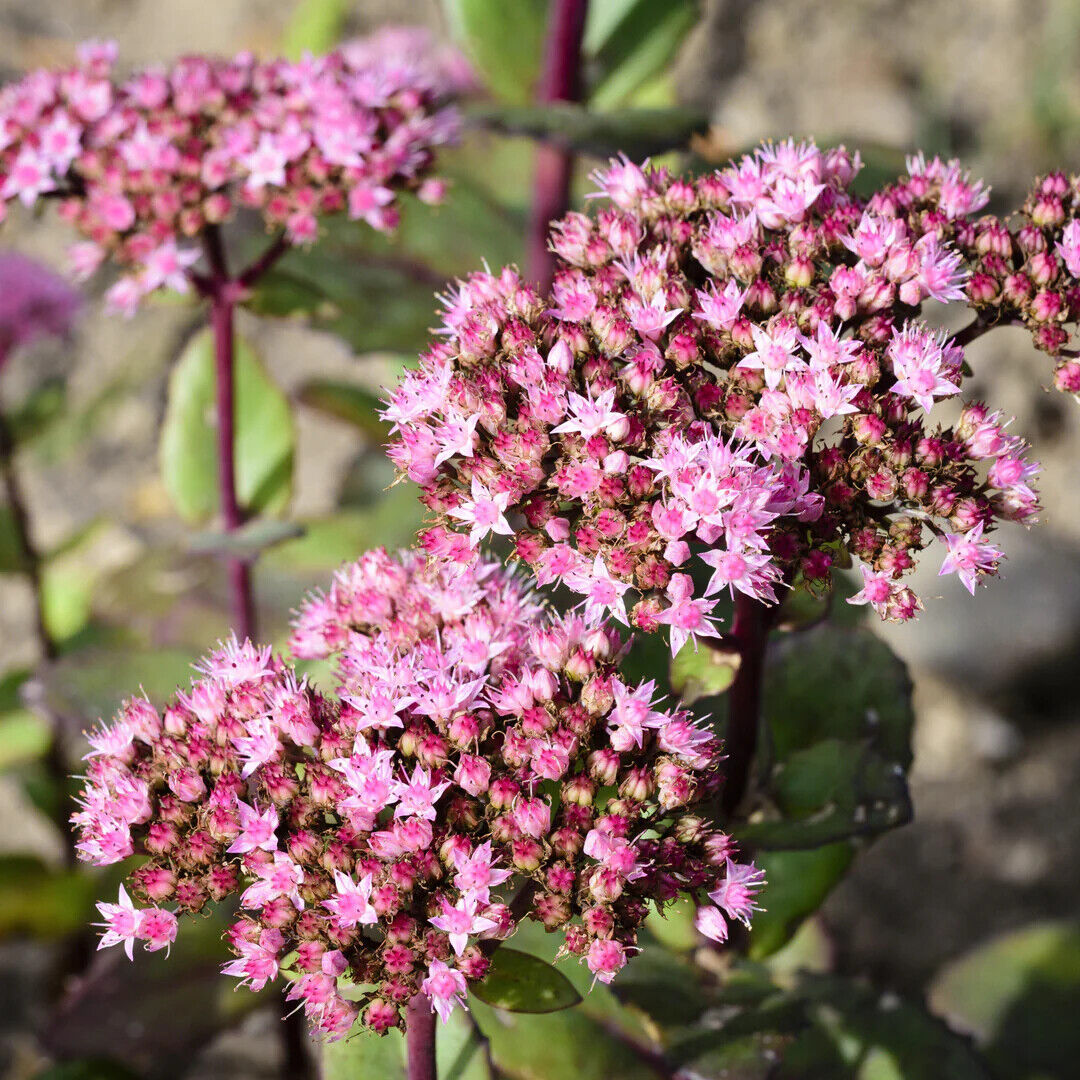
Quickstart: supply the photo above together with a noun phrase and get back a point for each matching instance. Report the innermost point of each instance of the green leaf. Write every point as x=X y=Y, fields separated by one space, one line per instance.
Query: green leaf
x=392 y=521
x=589 y=1042
x=39 y=900
x=12 y=554
x=518 y=982
x=66 y=593
x=249 y=540
x=363 y=1053
x=354 y=404
x=838 y=683
x=1019 y=995
x=837 y=741
x=630 y=42
x=831 y=791
x=459 y=1054
x=371 y=307
x=868 y=1035
x=264 y=435
x=24 y=737
x=674 y=926
x=702 y=670
x=638 y=133
x=505 y=42
x=315 y=27
x=802 y=608
x=798 y=882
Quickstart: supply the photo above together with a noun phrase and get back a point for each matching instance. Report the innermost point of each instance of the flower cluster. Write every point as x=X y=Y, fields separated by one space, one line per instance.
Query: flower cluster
x=731 y=369
x=478 y=764
x=34 y=303
x=143 y=166
x=1025 y=270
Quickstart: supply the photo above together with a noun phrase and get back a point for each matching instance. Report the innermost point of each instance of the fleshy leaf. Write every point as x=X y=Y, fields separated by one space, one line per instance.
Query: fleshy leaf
x=630 y=42
x=798 y=882
x=505 y=42
x=638 y=133
x=1019 y=996
x=264 y=435
x=315 y=27
x=459 y=1052
x=702 y=670
x=521 y=983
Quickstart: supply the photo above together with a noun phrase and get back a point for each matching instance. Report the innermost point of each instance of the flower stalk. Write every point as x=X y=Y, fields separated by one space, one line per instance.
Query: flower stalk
x=560 y=80
x=750 y=633
x=420 y=1039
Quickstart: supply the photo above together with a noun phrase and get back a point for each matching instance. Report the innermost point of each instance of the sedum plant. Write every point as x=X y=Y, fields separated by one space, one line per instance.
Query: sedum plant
x=728 y=389
x=150 y=168
x=478 y=764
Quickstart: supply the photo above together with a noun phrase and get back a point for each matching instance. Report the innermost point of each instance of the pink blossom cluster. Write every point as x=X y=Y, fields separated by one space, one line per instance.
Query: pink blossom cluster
x=731 y=369
x=477 y=764
x=34 y=303
x=1025 y=271
x=141 y=166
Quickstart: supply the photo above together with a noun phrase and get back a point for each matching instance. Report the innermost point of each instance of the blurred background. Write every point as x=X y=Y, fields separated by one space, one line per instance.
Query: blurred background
x=994 y=846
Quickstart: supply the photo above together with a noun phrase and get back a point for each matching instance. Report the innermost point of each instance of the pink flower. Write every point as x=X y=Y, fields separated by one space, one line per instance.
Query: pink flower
x=485 y=512
x=603 y=592
x=969 y=557
x=773 y=353
x=265 y=164
x=877 y=590
x=258 y=961
x=417 y=797
x=460 y=920
x=121 y=923
x=445 y=986
x=166 y=267
x=351 y=903
x=257 y=829
x=476 y=874
x=591 y=417
x=736 y=893
x=605 y=959
x=710 y=921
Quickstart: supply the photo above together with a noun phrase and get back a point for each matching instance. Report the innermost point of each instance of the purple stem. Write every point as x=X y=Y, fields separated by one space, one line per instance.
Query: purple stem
x=750 y=633
x=560 y=80
x=975 y=329
x=420 y=1039
x=222 y=292
x=232 y=517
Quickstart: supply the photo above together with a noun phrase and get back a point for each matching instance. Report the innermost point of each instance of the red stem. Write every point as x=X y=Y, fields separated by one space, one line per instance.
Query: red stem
x=420 y=1039
x=750 y=632
x=560 y=80
x=222 y=292
x=232 y=517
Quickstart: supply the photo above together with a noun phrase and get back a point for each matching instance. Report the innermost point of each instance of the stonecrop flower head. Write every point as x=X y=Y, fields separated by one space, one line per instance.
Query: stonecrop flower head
x=34 y=303
x=478 y=763
x=1025 y=270
x=142 y=165
x=730 y=371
